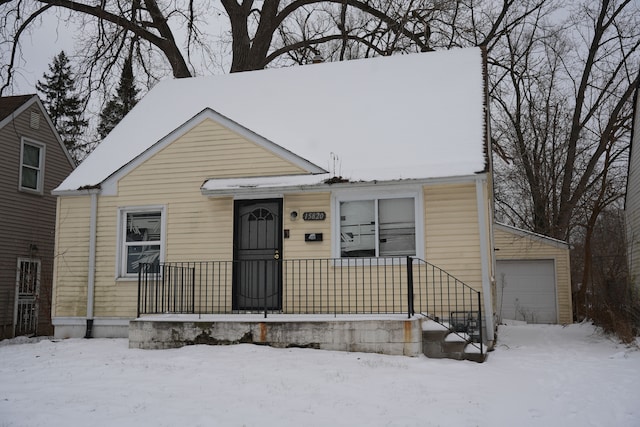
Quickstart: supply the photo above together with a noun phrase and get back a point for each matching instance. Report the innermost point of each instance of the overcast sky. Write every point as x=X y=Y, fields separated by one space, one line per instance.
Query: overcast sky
x=38 y=50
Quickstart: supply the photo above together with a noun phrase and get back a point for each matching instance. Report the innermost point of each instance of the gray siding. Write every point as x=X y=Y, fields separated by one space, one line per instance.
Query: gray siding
x=27 y=221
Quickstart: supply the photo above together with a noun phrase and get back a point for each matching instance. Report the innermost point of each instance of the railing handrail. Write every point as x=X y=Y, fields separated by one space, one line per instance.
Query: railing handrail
x=445 y=272
x=369 y=285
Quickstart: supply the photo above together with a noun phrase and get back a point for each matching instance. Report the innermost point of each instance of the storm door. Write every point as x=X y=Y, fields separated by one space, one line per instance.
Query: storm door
x=257 y=279
x=27 y=289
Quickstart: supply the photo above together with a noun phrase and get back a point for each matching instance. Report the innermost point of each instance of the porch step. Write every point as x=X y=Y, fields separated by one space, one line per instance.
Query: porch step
x=438 y=342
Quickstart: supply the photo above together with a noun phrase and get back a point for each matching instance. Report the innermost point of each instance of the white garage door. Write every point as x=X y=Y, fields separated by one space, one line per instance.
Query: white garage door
x=527 y=290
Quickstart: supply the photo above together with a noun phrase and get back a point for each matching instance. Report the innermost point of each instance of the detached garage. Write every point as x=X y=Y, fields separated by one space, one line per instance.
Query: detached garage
x=533 y=279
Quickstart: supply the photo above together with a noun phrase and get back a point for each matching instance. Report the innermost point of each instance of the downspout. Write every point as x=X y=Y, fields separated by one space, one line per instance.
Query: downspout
x=91 y=279
x=484 y=258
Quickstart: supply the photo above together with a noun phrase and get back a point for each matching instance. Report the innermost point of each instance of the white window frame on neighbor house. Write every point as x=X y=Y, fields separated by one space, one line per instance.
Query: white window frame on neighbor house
x=376 y=196
x=124 y=245
x=39 y=168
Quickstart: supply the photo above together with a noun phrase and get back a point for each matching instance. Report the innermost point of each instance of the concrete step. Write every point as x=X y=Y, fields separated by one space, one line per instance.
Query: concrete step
x=438 y=342
x=472 y=352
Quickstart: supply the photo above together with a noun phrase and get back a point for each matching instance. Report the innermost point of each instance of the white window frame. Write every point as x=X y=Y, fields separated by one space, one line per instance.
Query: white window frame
x=40 y=184
x=379 y=194
x=121 y=252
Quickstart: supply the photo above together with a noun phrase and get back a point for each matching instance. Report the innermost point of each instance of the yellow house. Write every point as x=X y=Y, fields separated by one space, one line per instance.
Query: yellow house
x=300 y=190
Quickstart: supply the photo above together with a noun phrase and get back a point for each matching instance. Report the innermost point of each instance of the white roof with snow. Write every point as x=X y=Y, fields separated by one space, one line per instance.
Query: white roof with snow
x=398 y=117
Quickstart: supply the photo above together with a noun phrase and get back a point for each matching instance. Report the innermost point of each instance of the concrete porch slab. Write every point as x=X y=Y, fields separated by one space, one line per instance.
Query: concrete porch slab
x=386 y=334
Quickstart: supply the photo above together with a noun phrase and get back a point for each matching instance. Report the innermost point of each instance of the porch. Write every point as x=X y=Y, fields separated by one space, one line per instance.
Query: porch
x=401 y=305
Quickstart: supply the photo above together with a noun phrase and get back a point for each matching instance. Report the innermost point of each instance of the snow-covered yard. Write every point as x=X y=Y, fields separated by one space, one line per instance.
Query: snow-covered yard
x=537 y=376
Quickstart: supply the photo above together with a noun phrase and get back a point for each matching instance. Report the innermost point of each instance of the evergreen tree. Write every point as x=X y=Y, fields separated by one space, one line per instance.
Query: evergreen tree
x=121 y=103
x=63 y=104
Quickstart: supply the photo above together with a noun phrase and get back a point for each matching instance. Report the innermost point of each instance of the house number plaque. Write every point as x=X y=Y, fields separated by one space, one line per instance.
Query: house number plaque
x=314 y=216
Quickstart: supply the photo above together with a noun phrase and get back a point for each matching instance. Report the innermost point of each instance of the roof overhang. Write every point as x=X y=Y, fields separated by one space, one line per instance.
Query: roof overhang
x=287 y=184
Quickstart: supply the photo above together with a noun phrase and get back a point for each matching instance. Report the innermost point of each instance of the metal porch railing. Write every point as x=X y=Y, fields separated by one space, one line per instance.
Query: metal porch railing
x=334 y=286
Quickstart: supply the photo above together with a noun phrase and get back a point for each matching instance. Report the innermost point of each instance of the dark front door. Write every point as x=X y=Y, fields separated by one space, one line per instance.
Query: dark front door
x=257 y=279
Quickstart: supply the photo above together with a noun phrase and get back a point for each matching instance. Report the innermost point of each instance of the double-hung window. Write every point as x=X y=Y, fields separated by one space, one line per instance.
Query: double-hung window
x=378 y=227
x=141 y=239
x=31 y=166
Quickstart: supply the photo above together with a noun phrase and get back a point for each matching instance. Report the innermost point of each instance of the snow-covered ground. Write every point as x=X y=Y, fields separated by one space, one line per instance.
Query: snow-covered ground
x=537 y=376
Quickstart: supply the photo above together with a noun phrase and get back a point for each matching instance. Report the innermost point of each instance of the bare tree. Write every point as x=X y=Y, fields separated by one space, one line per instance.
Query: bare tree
x=562 y=112
x=562 y=96
x=255 y=29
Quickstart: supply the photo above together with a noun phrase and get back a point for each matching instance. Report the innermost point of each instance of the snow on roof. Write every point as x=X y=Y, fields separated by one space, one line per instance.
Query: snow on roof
x=281 y=181
x=398 y=117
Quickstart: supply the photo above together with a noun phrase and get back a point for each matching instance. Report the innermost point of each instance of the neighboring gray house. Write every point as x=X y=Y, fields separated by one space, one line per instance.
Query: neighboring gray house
x=632 y=199
x=33 y=161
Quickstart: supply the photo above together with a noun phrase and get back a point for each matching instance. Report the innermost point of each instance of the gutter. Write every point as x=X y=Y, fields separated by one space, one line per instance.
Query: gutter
x=485 y=244
x=91 y=279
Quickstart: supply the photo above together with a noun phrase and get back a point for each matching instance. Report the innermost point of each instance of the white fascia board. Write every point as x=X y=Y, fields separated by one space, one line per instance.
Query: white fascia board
x=358 y=186
x=262 y=192
x=76 y=193
x=533 y=236
x=109 y=185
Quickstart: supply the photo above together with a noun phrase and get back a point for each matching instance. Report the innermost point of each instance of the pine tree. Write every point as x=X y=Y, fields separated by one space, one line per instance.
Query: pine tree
x=63 y=104
x=121 y=103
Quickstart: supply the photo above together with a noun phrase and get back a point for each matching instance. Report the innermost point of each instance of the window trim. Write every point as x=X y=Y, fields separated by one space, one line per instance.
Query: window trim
x=40 y=185
x=121 y=252
x=355 y=195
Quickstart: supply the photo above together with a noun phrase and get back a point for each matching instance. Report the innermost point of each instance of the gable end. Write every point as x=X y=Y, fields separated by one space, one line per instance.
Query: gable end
x=20 y=105
x=109 y=185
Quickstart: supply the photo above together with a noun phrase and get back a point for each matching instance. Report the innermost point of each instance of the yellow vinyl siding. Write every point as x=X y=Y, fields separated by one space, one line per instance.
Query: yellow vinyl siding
x=295 y=247
x=197 y=228
x=71 y=257
x=512 y=246
x=207 y=151
x=452 y=236
x=353 y=286
x=452 y=243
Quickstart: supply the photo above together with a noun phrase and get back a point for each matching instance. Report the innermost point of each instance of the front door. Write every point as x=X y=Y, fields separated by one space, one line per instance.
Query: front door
x=257 y=279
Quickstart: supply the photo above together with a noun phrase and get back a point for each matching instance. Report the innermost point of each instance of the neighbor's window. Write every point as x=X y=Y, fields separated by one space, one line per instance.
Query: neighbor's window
x=31 y=166
x=379 y=227
x=141 y=239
